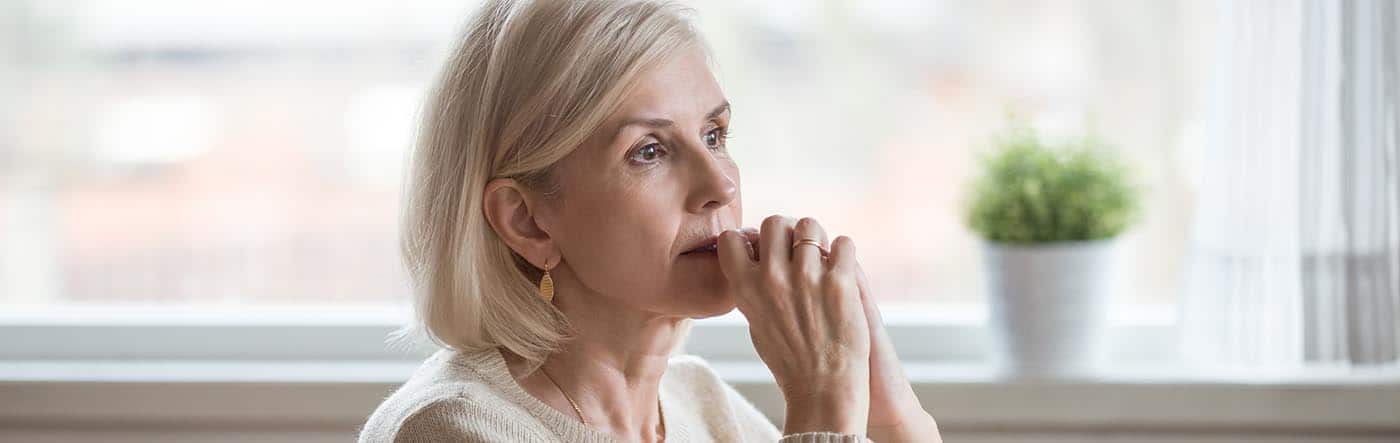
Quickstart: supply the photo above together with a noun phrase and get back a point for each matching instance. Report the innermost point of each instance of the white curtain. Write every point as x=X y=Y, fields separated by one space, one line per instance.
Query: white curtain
x=1296 y=254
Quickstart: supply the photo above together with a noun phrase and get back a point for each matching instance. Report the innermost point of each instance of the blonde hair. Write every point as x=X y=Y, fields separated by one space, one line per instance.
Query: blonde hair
x=527 y=83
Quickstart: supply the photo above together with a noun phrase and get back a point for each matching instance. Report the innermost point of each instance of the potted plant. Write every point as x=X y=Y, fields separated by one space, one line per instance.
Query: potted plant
x=1049 y=217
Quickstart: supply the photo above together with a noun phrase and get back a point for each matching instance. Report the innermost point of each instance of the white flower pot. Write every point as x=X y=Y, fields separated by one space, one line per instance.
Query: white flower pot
x=1048 y=306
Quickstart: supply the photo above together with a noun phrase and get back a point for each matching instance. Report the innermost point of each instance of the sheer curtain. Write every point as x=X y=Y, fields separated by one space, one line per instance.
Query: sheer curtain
x=1296 y=254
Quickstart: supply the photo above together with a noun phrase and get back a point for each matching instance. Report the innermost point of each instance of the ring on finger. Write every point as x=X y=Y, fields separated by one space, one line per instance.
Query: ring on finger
x=808 y=241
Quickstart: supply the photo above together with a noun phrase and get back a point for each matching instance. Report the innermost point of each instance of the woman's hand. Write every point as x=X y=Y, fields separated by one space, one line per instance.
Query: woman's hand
x=806 y=321
x=895 y=412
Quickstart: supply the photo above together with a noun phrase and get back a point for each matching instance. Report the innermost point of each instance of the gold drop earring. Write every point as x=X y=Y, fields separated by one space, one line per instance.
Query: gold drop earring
x=547 y=284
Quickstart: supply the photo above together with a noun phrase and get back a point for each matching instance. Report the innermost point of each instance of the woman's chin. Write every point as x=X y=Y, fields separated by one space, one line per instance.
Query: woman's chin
x=709 y=304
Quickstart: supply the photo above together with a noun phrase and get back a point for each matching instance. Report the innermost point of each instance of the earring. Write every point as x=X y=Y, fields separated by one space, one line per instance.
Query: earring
x=547 y=285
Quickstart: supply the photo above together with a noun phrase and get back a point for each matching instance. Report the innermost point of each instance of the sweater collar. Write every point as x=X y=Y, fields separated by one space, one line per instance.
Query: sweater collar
x=490 y=365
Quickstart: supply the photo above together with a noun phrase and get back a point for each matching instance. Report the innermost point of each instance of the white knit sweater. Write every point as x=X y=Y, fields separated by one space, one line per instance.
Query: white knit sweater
x=471 y=397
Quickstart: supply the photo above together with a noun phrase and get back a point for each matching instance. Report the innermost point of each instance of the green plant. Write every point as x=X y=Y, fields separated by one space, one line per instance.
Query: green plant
x=1031 y=192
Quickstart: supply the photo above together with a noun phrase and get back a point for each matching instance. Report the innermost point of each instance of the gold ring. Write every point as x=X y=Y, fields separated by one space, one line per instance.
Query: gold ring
x=808 y=241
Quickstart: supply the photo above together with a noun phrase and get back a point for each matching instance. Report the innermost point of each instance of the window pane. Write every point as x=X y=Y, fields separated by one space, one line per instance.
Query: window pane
x=161 y=151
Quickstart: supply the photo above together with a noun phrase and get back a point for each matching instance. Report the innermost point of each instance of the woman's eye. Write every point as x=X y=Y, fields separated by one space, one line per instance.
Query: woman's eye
x=648 y=153
x=715 y=138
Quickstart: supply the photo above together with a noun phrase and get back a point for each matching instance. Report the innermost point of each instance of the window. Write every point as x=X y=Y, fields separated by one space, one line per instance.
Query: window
x=247 y=154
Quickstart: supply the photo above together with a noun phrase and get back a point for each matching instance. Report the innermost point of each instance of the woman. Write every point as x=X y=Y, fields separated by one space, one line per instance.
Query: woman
x=571 y=206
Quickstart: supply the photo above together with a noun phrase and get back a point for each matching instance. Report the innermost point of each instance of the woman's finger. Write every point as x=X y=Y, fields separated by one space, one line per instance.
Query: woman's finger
x=775 y=241
x=808 y=258
x=755 y=240
x=735 y=261
x=843 y=254
x=879 y=337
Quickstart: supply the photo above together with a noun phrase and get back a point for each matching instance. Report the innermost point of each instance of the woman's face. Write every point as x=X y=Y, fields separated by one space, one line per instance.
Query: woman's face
x=653 y=181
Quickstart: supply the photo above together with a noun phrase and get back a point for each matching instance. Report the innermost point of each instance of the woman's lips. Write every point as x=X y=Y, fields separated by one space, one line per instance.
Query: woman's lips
x=709 y=245
x=712 y=248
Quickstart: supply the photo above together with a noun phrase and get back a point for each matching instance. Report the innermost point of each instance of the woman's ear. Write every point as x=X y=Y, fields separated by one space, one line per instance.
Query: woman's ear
x=508 y=209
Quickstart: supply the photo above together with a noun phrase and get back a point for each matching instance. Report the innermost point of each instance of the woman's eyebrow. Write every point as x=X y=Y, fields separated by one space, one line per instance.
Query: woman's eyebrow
x=719 y=110
x=662 y=122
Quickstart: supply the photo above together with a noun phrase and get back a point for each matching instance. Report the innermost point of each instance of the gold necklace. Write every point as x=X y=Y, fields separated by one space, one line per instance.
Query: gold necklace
x=566 y=396
x=577 y=410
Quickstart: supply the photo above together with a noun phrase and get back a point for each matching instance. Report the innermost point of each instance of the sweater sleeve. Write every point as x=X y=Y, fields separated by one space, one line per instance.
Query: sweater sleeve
x=459 y=420
x=823 y=437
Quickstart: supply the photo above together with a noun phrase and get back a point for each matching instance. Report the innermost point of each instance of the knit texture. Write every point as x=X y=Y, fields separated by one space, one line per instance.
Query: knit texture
x=470 y=396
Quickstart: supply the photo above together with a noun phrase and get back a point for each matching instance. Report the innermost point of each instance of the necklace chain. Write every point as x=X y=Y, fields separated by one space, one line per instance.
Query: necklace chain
x=566 y=396
x=579 y=411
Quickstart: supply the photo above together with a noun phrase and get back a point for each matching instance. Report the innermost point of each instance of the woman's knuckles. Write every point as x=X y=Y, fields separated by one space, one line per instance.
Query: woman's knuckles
x=774 y=284
x=837 y=283
x=810 y=277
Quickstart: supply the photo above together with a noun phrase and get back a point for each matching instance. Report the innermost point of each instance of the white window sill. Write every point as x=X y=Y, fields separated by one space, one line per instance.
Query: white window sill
x=963 y=397
x=326 y=372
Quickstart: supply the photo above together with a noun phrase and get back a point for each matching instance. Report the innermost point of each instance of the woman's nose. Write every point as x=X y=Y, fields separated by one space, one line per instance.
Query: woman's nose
x=712 y=188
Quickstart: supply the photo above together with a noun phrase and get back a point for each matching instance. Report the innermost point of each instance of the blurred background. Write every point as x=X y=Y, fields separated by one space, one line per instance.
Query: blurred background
x=199 y=200
x=249 y=153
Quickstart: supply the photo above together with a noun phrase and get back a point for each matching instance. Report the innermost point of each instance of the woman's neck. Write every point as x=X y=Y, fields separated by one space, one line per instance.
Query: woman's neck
x=612 y=368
